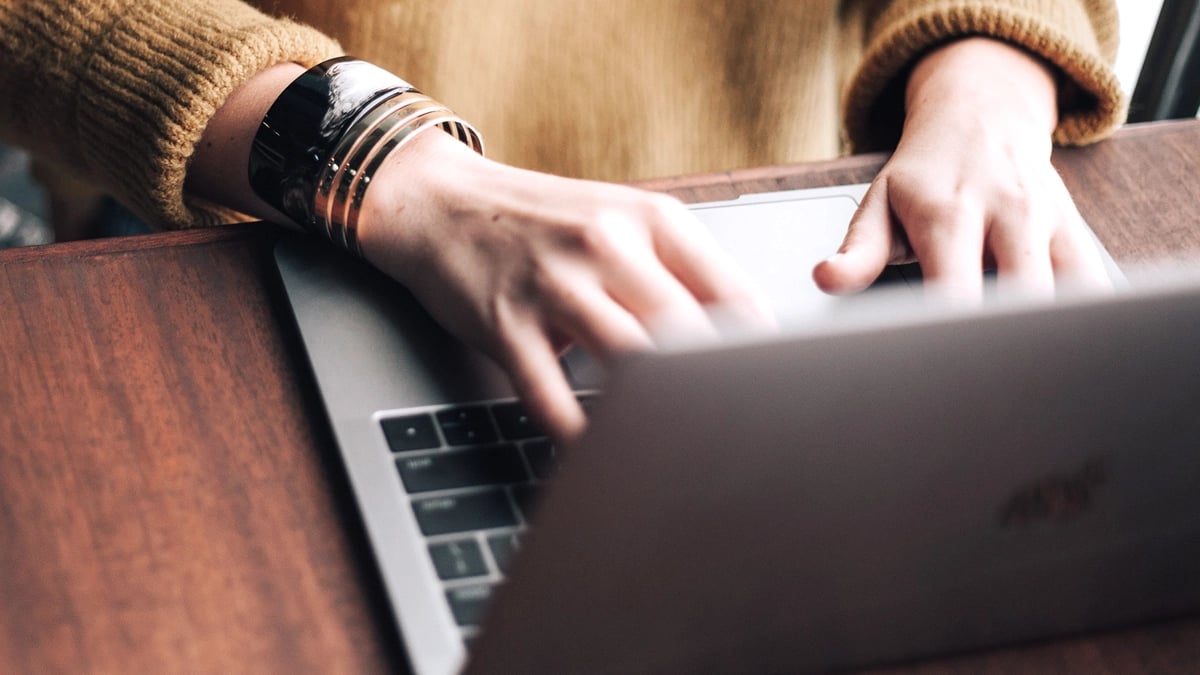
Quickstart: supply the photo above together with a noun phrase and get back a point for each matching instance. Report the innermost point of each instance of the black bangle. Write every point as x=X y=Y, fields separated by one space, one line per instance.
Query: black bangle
x=325 y=136
x=300 y=130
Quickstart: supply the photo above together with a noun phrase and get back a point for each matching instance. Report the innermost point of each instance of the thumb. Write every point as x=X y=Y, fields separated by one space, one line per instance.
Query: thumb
x=867 y=248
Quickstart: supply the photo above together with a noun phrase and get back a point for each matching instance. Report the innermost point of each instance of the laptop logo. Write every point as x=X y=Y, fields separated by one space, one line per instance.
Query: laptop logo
x=1054 y=498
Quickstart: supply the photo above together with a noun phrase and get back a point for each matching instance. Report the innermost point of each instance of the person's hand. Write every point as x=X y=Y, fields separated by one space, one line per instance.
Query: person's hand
x=521 y=264
x=970 y=184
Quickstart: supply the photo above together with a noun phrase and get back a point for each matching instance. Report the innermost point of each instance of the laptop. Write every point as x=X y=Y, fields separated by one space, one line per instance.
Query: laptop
x=809 y=501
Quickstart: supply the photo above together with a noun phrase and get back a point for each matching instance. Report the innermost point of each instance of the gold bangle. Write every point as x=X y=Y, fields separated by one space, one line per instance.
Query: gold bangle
x=346 y=177
x=398 y=119
x=438 y=118
x=336 y=184
x=360 y=132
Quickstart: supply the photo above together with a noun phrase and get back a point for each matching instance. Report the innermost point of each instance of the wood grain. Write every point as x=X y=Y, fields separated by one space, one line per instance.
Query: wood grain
x=169 y=497
x=1140 y=191
x=164 y=506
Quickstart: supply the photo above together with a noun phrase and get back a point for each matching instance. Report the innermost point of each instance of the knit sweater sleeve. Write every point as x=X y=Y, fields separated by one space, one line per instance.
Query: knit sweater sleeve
x=1078 y=38
x=119 y=91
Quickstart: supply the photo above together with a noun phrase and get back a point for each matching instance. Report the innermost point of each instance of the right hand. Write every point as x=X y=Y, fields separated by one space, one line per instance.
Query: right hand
x=521 y=264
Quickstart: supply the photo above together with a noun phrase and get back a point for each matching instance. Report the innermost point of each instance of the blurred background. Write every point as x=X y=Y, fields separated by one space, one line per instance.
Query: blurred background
x=1137 y=25
x=25 y=207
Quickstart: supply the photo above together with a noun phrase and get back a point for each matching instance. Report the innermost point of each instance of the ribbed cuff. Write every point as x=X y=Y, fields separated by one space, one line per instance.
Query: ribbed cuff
x=157 y=78
x=1079 y=43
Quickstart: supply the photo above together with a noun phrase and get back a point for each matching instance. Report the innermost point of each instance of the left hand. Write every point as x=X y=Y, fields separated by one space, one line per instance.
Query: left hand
x=971 y=185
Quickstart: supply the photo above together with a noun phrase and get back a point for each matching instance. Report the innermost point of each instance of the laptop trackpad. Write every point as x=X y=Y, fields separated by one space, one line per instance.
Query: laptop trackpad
x=778 y=239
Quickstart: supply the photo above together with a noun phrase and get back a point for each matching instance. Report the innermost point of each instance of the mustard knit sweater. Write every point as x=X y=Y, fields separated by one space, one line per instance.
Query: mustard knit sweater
x=119 y=91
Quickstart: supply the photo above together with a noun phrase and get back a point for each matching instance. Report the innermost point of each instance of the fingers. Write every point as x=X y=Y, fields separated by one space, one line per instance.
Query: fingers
x=609 y=289
x=1074 y=252
x=1077 y=261
x=706 y=271
x=533 y=367
x=950 y=251
x=528 y=342
x=658 y=263
x=611 y=300
x=1040 y=244
x=588 y=315
x=1030 y=231
x=657 y=298
x=610 y=284
x=869 y=246
x=1022 y=262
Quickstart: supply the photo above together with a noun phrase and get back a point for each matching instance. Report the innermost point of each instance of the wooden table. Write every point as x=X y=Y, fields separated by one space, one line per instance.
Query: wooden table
x=170 y=499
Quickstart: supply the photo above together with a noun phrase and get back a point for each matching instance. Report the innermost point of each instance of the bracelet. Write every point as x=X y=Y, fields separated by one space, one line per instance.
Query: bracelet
x=340 y=178
x=327 y=134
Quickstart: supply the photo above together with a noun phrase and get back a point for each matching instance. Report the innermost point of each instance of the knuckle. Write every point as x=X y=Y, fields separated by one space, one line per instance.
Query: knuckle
x=664 y=205
x=542 y=280
x=941 y=209
x=662 y=210
x=607 y=233
x=1014 y=203
x=602 y=236
x=1019 y=213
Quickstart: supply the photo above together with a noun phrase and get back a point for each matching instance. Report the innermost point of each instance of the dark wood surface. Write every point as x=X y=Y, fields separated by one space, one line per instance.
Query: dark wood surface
x=169 y=497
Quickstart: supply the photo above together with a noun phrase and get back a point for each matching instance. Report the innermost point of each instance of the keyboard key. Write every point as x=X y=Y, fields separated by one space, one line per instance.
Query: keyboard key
x=526 y=497
x=411 y=432
x=477 y=467
x=542 y=457
x=504 y=547
x=515 y=424
x=467 y=426
x=446 y=515
x=468 y=602
x=457 y=559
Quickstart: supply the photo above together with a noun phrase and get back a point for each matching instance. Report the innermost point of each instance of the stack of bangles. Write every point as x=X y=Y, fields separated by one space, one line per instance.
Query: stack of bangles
x=328 y=133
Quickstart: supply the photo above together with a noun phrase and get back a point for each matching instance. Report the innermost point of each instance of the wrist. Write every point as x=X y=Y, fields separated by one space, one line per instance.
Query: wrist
x=990 y=77
x=422 y=196
x=321 y=142
x=419 y=188
x=226 y=143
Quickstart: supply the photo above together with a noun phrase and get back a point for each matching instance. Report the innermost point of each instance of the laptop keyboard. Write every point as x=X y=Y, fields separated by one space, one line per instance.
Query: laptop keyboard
x=472 y=474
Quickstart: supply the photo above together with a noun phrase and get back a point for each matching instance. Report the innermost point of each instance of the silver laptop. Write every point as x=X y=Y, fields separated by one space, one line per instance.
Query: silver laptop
x=837 y=496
